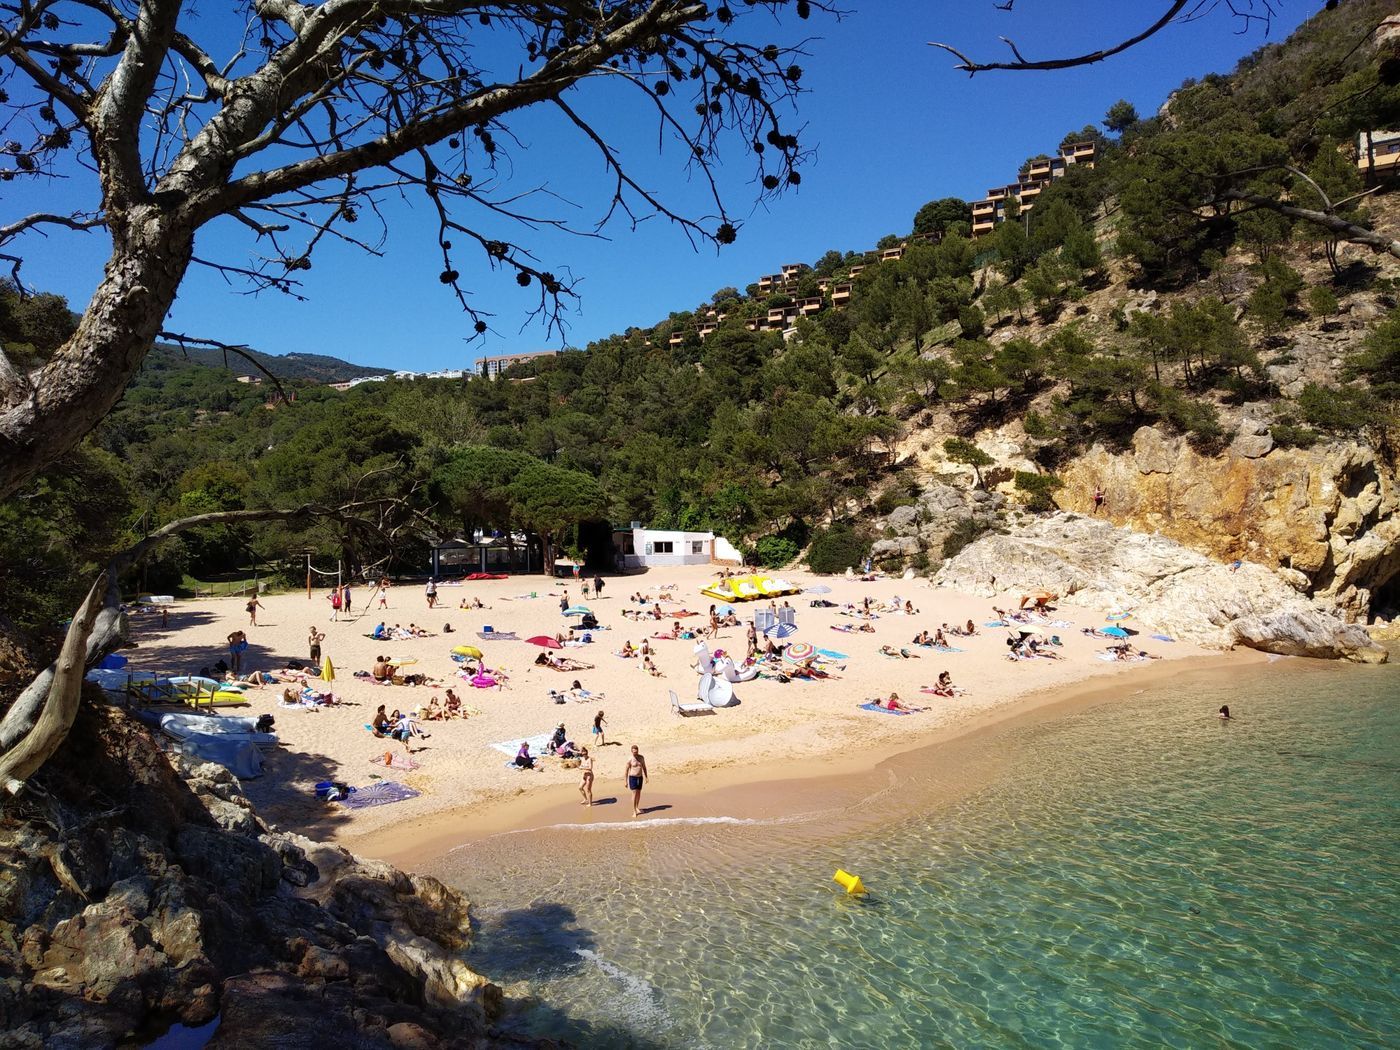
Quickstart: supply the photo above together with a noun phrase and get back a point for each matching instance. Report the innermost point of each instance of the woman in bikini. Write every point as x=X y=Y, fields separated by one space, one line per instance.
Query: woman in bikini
x=585 y=765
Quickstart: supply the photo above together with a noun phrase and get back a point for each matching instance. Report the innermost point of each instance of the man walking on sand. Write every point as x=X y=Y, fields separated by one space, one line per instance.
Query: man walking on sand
x=636 y=775
x=431 y=592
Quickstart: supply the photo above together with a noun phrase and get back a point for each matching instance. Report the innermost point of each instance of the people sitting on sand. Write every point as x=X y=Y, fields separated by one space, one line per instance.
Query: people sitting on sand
x=646 y=649
x=970 y=629
x=380 y=632
x=939 y=641
x=628 y=650
x=650 y=668
x=383 y=670
x=893 y=703
x=944 y=685
x=451 y=705
x=523 y=758
x=909 y=609
x=656 y=613
x=675 y=629
x=556 y=741
x=379 y=724
x=923 y=638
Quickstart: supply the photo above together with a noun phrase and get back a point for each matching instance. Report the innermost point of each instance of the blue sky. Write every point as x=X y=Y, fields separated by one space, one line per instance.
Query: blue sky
x=893 y=123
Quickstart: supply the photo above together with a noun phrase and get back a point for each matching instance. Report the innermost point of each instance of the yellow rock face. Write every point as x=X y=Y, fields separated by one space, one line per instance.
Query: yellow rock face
x=1328 y=514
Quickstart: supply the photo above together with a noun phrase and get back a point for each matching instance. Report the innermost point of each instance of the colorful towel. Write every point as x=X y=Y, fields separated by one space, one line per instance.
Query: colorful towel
x=381 y=794
x=832 y=654
x=505 y=636
x=946 y=649
x=882 y=709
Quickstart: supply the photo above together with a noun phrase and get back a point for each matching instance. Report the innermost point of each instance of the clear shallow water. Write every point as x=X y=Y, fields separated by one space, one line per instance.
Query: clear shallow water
x=1133 y=875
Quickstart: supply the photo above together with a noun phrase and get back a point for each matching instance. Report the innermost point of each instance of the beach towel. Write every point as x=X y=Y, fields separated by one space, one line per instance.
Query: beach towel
x=511 y=747
x=882 y=709
x=395 y=761
x=1060 y=623
x=946 y=649
x=1163 y=638
x=505 y=636
x=832 y=654
x=844 y=628
x=381 y=794
x=996 y=623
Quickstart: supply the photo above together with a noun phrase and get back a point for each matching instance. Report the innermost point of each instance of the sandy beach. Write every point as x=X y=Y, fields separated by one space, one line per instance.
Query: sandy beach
x=778 y=732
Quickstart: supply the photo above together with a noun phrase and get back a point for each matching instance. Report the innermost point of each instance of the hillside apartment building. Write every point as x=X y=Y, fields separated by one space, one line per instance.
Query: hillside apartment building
x=491 y=367
x=991 y=209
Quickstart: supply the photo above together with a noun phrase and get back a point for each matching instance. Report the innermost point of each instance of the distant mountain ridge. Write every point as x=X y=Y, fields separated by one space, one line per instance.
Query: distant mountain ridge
x=315 y=368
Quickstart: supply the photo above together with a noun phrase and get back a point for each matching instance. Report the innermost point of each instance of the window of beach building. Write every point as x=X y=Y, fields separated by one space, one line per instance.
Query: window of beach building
x=697 y=546
x=664 y=547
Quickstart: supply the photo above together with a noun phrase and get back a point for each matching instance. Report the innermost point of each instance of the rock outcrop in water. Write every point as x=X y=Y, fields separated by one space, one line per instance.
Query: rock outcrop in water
x=1172 y=589
x=133 y=896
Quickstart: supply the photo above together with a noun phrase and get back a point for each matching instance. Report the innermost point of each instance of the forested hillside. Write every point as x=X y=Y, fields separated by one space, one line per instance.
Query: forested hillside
x=1179 y=279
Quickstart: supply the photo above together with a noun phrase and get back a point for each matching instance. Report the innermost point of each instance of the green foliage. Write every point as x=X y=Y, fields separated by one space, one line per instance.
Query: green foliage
x=773 y=552
x=1322 y=301
x=960 y=450
x=836 y=549
x=1337 y=409
x=1037 y=490
x=937 y=215
x=1121 y=116
x=1378 y=360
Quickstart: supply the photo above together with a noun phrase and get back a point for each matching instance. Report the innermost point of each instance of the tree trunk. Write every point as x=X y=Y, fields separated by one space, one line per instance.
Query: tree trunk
x=47 y=414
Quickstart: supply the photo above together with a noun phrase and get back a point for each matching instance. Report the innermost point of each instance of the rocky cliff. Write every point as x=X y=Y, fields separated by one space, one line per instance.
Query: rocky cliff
x=1327 y=517
x=1170 y=588
x=134 y=895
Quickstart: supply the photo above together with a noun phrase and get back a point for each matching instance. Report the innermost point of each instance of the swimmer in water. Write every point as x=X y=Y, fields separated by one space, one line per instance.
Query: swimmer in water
x=1224 y=713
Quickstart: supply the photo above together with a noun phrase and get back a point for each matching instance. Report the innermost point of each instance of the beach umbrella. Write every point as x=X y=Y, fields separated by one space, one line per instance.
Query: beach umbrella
x=467 y=650
x=327 y=670
x=799 y=651
x=544 y=641
x=1027 y=630
x=403 y=661
x=1114 y=632
x=1118 y=614
x=578 y=610
x=820 y=588
x=780 y=630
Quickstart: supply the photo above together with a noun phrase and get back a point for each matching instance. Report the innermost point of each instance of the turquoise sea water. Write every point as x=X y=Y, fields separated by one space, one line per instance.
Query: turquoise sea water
x=1135 y=874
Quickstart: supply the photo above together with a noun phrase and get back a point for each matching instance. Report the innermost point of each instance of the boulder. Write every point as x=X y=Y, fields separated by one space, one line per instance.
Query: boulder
x=1173 y=589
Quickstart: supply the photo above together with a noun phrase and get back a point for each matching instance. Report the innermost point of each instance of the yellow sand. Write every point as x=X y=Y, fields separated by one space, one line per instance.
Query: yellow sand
x=775 y=725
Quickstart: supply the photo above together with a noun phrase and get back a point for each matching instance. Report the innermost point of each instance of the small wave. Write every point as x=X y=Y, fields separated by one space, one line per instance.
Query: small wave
x=656 y=822
x=640 y=1003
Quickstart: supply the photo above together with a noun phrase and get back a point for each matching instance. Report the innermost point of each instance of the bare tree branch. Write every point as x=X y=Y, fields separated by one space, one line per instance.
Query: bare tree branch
x=1020 y=63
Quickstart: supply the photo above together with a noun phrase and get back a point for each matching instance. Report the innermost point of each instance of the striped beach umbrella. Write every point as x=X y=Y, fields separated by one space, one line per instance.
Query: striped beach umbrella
x=799 y=651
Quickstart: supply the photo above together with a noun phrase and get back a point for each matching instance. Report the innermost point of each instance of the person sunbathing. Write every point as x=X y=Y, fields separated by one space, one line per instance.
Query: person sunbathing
x=944 y=685
x=650 y=668
x=379 y=724
x=922 y=638
x=890 y=650
x=675 y=628
x=433 y=712
x=971 y=628
x=629 y=651
x=939 y=640
x=893 y=703
x=909 y=609
x=259 y=678
x=451 y=706
x=656 y=613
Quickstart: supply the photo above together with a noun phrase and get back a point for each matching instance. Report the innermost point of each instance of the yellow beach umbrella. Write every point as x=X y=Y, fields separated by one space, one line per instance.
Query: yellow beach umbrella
x=467 y=650
x=327 y=670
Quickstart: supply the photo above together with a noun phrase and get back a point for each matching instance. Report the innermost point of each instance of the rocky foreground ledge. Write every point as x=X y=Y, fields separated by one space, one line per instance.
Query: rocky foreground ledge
x=134 y=895
x=1170 y=588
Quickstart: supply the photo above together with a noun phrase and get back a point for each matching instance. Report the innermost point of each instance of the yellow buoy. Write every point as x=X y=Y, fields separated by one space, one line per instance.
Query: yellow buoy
x=851 y=883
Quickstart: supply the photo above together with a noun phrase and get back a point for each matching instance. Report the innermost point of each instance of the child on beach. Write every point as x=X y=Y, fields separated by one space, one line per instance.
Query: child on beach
x=599 y=737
